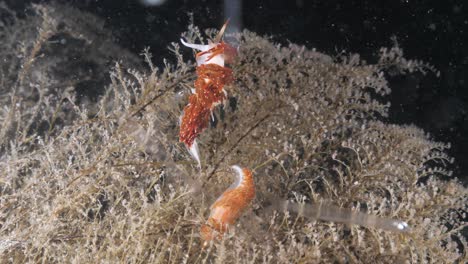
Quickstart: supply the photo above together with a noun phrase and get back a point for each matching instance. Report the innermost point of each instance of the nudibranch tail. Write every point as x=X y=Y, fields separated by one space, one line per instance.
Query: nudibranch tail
x=193 y=150
x=230 y=205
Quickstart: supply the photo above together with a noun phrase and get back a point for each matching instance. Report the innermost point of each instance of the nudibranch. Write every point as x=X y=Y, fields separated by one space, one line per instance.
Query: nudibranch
x=229 y=206
x=209 y=89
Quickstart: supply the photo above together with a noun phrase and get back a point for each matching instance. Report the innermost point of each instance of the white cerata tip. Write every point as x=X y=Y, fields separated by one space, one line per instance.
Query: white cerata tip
x=195 y=153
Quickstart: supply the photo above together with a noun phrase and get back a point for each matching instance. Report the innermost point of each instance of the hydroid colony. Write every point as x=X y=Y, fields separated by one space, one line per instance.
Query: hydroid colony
x=108 y=181
x=212 y=76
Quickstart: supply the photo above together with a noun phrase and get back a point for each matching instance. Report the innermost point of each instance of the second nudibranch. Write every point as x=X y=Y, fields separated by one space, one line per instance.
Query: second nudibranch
x=229 y=206
x=209 y=89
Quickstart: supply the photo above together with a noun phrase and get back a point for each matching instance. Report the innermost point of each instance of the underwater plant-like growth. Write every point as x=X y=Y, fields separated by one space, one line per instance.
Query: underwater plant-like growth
x=107 y=180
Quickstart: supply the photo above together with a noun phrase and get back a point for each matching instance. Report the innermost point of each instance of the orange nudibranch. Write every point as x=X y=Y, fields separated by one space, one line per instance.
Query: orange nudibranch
x=209 y=89
x=208 y=93
x=229 y=206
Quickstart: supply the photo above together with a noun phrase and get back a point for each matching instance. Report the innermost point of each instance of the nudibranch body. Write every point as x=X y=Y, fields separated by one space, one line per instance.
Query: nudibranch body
x=230 y=205
x=209 y=89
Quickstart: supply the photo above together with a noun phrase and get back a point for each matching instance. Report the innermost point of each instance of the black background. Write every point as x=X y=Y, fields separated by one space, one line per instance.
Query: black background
x=433 y=31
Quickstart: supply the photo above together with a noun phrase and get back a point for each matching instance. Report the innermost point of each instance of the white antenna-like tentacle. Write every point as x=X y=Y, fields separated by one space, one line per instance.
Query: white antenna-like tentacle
x=195 y=46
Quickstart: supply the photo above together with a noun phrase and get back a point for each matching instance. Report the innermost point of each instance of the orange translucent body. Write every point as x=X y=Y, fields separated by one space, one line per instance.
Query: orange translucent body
x=229 y=207
x=208 y=93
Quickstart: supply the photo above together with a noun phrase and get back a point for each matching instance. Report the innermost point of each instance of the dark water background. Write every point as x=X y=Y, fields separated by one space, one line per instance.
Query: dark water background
x=433 y=31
